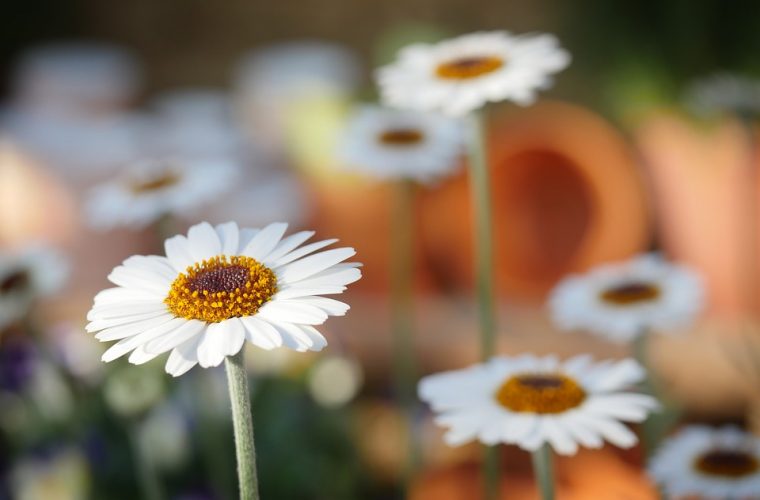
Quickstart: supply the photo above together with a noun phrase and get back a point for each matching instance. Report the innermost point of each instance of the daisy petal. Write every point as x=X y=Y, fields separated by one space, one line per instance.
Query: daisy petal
x=265 y=241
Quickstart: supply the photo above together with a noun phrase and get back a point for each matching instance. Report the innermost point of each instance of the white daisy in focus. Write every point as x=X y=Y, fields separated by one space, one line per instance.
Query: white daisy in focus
x=621 y=301
x=26 y=276
x=708 y=463
x=218 y=287
x=462 y=74
x=151 y=189
x=390 y=144
x=725 y=93
x=529 y=401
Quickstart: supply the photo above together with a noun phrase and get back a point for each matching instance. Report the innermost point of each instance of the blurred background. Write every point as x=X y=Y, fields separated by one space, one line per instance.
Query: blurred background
x=615 y=160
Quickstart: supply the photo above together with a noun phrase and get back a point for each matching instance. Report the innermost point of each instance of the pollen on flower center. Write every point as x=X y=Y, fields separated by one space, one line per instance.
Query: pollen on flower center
x=540 y=393
x=630 y=293
x=727 y=463
x=17 y=280
x=464 y=68
x=401 y=137
x=221 y=288
x=157 y=183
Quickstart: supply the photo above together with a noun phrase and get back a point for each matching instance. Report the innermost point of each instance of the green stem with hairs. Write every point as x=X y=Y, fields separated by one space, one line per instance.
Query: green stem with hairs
x=480 y=192
x=242 y=421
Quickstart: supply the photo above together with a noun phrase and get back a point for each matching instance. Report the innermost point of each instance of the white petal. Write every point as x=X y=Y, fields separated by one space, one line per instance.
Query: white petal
x=558 y=437
x=212 y=345
x=309 y=266
x=177 y=251
x=101 y=324
x=125 y=309
x=333 y=276
x=330 y=306
x=301 y=252
x=294 y=292
x=188 y=330
x=260 y=333
x=203 y=242
x=292 y=311
x=292 y=336
x=140 y=356
x=130 y=329
x=183 y=357
x=229 y=235
x=265 y=241
x=127 y=344
x=119 y=294
x=288 y=244
x=141 y=279
x=158 y=265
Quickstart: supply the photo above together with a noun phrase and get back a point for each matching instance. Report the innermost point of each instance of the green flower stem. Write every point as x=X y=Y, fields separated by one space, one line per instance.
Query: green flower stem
x=147 y=478
x=543 y=470
x=402 y=296
x=242 y=421
x=480 y=189
x=650 y=427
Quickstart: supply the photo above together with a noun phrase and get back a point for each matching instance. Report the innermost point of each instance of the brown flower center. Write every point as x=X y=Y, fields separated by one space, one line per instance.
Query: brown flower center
x=15 y=281
x=401 y=137
x=162 y=181
x=630 y=293
x=465 y=68
x=221 y=288
x=727 y=463
x=540 y=393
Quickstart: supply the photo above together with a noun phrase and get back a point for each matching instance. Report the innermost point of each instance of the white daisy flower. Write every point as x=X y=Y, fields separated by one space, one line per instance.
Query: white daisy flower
x=390 y=144
x=27 y=275
x=218 y=287
x=150 y=189
x=621 y=301
x=462 y=74
x=725 y=93
x=708 y=463
x=529 y=401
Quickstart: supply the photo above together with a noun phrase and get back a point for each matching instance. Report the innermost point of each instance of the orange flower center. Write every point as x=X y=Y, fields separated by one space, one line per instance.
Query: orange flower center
x=727 y=463
x=15 y=281
x=163 y=181
x=221 y=288
x=465 y=68
x=540 y=393
x=631 y=293
x=401 y=137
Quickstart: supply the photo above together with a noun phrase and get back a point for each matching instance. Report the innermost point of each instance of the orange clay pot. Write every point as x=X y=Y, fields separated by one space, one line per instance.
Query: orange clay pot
x=566 y=196
x=704 y=187
x=358 y=212
x=588 y=475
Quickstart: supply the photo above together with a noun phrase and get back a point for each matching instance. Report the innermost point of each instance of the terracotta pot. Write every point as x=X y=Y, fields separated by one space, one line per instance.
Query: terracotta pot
x=590 y=474
x=566 y=196
x=704 y=187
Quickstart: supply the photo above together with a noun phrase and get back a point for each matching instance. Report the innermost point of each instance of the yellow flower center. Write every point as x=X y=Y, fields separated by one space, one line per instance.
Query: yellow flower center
x=540 y=393
x=631 y=293
x=401 y=137
x=15 y=281
x=221 y=288
x=465 y=68
x=727 y=463
x=162 y=181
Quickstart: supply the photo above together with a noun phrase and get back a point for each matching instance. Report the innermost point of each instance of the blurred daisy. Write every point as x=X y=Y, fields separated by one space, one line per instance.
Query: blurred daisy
x=217 y=288
x=529 y=401
x=621 y=301
x=462 y=74
x=390 y=144
x=62 y=474
x=725 y=93
x=26 y=276
x=151 y=189
x=708 y=463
